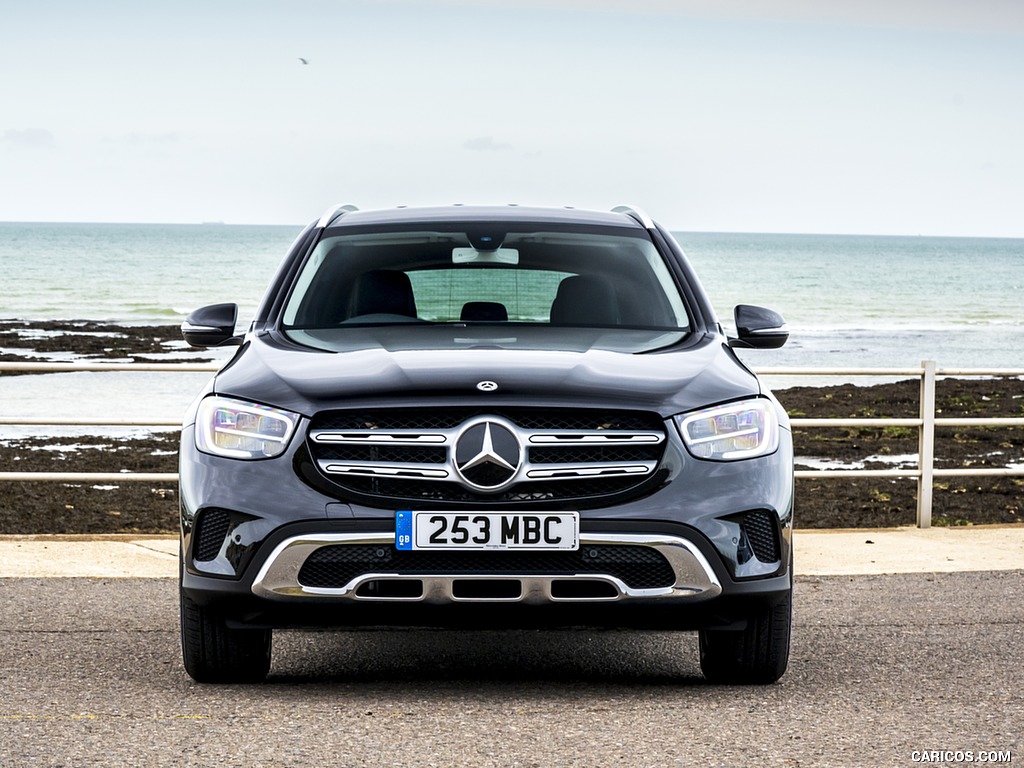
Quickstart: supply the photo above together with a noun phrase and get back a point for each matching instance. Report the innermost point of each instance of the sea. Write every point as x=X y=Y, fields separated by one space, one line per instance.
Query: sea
x=850 y=301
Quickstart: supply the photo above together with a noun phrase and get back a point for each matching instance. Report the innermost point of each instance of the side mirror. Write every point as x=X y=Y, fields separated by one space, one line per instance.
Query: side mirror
x=212 y=326
x=758 y=328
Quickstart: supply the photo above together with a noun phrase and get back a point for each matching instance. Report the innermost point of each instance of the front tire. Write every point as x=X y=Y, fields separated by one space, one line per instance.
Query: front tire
x=213 y=652
x=756 y=655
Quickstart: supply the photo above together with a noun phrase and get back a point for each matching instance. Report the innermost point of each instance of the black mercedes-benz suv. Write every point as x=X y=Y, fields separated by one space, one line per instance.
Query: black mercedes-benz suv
x=486 y=417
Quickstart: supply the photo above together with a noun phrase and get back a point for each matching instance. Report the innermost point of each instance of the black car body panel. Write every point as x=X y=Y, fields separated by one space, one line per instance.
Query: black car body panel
x=701 y=372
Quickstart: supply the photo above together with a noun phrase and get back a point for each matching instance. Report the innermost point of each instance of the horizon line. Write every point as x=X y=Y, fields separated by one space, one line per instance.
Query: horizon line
x=216 y=223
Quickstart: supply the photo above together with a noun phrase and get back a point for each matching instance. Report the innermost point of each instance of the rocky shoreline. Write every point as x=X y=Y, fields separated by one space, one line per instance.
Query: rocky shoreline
x=137 y=507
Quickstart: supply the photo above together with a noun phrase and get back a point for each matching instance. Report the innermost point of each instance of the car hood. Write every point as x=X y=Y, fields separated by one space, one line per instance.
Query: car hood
x=698 y=373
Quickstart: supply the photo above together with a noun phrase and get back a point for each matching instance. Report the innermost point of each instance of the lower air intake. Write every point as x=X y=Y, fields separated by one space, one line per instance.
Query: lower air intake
x=333 y=567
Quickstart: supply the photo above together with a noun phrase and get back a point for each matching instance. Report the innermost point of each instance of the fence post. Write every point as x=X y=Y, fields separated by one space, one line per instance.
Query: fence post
x=926 y=445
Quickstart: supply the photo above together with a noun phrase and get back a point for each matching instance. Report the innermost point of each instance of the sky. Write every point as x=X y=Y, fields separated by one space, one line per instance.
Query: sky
x=900 y=117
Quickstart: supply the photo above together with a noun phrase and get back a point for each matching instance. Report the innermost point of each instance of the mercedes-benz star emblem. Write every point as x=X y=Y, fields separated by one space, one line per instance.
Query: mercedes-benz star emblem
x=488 y=454
x=487 y=386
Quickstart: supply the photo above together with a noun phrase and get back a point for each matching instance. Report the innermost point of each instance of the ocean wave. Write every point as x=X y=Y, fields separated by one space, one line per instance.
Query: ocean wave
x=154 y=312
x=854 y=294
x=907 y=327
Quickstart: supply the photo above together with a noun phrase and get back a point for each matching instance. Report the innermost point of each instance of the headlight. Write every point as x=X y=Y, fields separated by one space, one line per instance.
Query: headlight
x=241 y=430
x=728 y=432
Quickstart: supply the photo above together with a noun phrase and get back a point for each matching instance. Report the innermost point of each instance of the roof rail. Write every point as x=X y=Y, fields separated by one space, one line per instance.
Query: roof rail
x=637 y=213
x=333 y=213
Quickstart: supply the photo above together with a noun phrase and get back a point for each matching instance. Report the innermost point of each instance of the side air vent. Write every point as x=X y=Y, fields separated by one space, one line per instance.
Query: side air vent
x=211 y=529
x=759 y=536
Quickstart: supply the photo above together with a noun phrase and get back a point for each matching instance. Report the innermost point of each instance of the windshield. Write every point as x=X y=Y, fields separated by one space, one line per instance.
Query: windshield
x=541 y=285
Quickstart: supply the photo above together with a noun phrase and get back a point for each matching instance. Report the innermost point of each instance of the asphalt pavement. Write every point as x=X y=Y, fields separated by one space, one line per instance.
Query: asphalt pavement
x=906 y=650
x=882 y=668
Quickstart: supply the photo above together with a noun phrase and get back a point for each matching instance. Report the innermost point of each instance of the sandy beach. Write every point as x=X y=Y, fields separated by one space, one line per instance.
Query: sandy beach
x=135 y=507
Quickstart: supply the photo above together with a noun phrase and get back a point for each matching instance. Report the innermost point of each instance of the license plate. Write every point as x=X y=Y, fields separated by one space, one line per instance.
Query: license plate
x=486 y=530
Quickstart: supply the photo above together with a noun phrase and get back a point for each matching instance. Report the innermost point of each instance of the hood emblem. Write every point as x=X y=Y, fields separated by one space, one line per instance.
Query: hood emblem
x=487 y=386
x=488 y=455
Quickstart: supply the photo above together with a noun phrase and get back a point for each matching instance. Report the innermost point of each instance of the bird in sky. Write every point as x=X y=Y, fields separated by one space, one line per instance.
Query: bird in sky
x=304 y=61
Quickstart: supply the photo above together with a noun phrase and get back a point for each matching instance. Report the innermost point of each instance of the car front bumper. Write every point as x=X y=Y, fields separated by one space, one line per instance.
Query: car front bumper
x=273 y=523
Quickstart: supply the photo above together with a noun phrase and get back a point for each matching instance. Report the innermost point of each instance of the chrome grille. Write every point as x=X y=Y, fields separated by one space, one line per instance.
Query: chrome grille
x=561 y=454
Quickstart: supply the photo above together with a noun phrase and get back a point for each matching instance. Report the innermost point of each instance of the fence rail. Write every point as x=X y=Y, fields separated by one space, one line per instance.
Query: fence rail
x=925 y=472
x=926 y=423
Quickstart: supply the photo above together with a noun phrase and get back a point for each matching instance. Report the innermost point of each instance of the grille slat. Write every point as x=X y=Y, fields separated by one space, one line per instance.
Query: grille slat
x=582 y=454
x=400 y=491
x=332 y=567
x=388 y=454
